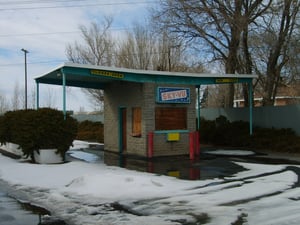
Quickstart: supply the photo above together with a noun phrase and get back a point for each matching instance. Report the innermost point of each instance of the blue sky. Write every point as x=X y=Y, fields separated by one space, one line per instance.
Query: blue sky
x=44 y=28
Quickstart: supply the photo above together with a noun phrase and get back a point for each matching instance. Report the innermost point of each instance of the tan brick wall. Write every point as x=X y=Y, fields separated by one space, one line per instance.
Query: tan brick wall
x=127 y=95
x=163 y=148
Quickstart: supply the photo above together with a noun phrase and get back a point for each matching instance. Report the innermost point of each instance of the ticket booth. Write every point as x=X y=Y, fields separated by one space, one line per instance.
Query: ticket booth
x=146 y=113
x=149 y=119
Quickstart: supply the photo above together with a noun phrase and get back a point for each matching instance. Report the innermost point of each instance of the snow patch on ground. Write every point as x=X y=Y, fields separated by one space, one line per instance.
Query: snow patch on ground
x=85 y=193
x=88 y=157
x=230 y=152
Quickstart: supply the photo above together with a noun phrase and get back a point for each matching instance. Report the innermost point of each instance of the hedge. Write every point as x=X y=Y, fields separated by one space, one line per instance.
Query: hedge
x=90 y=131
x=33 y=130
x=222 y=132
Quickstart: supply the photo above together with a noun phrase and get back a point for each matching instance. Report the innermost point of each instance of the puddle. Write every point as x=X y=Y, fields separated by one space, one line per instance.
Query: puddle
x=205 y=167
x=211 y=163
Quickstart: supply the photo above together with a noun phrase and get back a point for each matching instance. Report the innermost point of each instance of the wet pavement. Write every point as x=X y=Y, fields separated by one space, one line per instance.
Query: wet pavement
x=13 y=212
x=206 y=166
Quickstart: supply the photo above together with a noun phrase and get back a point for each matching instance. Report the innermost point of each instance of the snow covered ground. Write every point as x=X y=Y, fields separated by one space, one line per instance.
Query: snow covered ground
x=93 y=193
x=230 y=152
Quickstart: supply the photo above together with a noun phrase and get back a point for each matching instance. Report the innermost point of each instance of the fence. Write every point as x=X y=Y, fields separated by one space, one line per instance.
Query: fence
x=268 y=116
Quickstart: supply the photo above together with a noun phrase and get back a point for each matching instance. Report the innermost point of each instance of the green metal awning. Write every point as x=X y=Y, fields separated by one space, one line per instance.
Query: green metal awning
x=90 y=76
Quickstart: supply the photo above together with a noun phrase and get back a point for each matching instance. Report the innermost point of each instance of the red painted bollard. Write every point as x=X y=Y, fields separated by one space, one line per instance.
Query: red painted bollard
x=192 y=145
x=197 y=137
x=150 y=144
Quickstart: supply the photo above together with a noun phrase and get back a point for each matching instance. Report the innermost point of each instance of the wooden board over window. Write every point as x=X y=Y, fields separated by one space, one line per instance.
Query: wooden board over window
x=170 y=118
x=136 y=122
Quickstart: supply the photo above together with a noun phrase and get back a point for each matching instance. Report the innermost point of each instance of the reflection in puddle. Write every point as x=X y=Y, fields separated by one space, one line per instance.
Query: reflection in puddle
x=208 y=167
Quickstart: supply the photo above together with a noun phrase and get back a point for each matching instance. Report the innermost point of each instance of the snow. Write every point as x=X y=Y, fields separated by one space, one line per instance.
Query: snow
x=230 y=152
x=93 y=193
x=80 y=144
x=88 y=157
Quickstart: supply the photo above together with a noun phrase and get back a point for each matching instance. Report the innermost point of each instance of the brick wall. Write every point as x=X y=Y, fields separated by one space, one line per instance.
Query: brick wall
x=161 y=146
x=127 y=95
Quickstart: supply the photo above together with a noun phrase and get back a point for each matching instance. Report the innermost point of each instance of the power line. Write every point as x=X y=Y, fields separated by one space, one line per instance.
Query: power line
x=78 y=6
x=40 y=62
x=38 y=1
x=37 y=34
x=113 y=54
x=53 y=33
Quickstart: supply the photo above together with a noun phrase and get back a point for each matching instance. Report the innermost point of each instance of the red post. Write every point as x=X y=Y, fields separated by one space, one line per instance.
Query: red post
x=150 y=144
x=192 y=145
x=197 y=137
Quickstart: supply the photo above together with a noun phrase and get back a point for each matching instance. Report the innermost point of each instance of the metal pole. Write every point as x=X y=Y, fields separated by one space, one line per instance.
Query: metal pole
x=25 y=55
x=64 y=95
x=198 y=107
x=37 y=95
x=250 y=107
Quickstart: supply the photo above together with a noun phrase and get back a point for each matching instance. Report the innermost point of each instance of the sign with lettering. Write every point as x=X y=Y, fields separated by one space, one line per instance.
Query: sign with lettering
x=107 y=74
x=226 y=80
x=173 y=95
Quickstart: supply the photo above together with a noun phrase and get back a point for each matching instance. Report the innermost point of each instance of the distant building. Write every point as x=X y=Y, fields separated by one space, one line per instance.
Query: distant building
x=287 y=94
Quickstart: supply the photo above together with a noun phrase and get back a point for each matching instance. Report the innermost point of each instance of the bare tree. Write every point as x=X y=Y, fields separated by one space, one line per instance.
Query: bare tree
x=145 y=49
x=171 y=54
x=279 y=30
x=17 y=98
x=50 y=98
x=137 y=49
x=215 y=26
x=32 y=99
x=292 y=67
x=97 y=49
x=4 y=106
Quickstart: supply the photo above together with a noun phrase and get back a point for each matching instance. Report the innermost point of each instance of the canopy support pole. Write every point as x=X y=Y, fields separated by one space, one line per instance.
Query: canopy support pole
x=198 y=108
x=37 y=95
x=64 y=93
x=250 y=85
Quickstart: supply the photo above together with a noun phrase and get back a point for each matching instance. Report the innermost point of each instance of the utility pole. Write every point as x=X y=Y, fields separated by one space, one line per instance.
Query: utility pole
x=25 y=55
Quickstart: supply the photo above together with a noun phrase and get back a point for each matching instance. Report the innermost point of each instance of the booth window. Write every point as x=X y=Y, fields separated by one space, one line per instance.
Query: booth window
x=136 y=122
x=170 y=118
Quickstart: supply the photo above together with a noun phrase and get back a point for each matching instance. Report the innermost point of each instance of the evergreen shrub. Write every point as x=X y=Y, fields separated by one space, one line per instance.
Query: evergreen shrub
x=222 y=132
x=90 y=131
x=33 y=130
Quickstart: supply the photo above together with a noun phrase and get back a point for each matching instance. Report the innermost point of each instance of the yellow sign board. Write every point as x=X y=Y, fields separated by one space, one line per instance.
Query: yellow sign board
x=173 y=137
x=227 y=80
x=174 y=173
x=107 y=74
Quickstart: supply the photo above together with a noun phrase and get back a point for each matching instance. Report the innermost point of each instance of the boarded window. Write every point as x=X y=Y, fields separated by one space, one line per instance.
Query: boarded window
x=136 y=122
x=170 y=118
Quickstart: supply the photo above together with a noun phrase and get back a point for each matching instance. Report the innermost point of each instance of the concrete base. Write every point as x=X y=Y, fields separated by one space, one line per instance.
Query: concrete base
x=47 y=156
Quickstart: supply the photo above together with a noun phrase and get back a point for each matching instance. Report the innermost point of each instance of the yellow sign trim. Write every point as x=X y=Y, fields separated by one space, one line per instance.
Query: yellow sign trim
x=227 y=80
x=107 y=74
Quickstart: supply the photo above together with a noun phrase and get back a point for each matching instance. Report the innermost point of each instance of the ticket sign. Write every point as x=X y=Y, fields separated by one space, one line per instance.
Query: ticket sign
x=226 y=80
x=173 y=95
x=109 y=74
